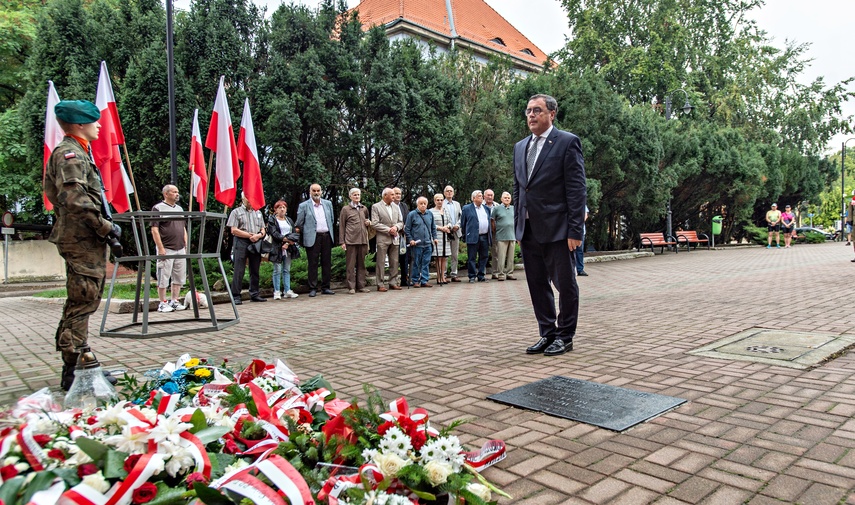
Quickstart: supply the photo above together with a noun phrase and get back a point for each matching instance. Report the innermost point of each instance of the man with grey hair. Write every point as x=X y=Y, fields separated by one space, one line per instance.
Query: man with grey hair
x=550 y=194
x=489 y=195
x=454 y=212
x=475 y=226
x=353 y=223
x=315 y=225
x=388 y=222
x=170 y=238
x=247 y=227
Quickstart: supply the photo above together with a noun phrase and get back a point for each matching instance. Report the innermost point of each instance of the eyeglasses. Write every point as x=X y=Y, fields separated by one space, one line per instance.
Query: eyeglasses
x=536 y=111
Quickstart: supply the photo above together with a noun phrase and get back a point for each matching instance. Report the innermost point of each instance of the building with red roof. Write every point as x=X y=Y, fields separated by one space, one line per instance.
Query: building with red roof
x=467 y=24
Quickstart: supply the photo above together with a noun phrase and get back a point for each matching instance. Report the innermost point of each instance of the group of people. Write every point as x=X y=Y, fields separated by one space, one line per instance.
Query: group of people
x=779 y=223
x=548 y=222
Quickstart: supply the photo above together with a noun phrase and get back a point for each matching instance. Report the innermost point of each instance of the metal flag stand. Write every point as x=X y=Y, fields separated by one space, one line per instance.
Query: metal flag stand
x=138 y=222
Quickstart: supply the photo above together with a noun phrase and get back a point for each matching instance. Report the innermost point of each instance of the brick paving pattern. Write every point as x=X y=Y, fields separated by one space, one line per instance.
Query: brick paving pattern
x=751 y=433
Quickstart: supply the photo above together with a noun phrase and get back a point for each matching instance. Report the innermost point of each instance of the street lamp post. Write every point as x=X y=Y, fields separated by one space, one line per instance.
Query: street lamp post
x=843 y=186
x=686 y=108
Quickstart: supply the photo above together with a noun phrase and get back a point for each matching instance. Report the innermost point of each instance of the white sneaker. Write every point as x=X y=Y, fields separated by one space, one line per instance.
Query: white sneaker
x=277 y=296
x=291 y=294
x=176 y=306
x=164 y=307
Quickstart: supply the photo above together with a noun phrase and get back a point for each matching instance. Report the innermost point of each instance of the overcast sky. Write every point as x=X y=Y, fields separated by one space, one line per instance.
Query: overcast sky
x=822 y=23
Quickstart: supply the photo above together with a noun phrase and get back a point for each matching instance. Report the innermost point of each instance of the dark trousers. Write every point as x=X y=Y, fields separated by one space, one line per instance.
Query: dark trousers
x=551 y=261
x=404 y=264
x=322 y=250
x=479 y=250
x=242 y=256
x=580 y=256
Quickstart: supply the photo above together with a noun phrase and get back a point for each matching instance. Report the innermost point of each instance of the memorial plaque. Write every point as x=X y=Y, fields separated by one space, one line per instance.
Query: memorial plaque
x=609 y=407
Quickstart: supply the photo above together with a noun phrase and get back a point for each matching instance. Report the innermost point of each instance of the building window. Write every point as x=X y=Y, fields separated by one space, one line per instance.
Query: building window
x=499 y=41
x=527 y=51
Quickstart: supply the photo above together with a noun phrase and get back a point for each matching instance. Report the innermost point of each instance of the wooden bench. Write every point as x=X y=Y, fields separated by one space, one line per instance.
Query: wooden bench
x=657 y=239
x=692 y=237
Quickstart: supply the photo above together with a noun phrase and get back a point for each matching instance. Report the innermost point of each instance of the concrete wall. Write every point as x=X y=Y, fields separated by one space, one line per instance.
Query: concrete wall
x=31 y=260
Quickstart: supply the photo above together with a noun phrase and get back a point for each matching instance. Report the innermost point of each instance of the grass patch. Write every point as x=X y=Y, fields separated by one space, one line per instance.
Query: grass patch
x=120 y=291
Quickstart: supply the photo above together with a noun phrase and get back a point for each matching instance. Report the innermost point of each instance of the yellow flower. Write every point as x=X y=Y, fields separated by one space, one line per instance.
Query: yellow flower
x=191 y=363
x=202 y=372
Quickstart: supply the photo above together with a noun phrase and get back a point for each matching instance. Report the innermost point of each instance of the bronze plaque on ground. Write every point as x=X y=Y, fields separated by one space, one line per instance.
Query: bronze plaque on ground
x=609 y=407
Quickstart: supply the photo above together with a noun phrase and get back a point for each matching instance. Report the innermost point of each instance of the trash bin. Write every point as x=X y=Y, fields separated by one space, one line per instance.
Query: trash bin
x=716 y=225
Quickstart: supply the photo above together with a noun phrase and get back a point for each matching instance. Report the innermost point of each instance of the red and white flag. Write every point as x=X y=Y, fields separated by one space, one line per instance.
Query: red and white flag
x=198 y=174
x=105 y=149
x=53 y=135
x=248 y=154
x=221 y=140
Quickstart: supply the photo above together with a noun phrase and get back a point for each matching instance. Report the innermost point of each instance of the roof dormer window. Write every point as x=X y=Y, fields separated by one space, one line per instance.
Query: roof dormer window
x=527 y=51
x=499 y=41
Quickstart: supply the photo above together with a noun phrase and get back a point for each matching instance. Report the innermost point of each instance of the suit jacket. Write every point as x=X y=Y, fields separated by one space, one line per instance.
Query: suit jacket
x=351 y=225
x=555 y=195
x=470 y=226
x=306 y=221
x=457 y=215
x=382 y=222
x=405 y=211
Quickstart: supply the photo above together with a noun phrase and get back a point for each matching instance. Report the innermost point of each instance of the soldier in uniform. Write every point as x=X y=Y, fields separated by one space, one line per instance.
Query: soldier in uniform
x=73 y=185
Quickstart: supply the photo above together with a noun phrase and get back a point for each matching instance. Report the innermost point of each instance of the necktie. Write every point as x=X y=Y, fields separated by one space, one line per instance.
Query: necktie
x=532 y=155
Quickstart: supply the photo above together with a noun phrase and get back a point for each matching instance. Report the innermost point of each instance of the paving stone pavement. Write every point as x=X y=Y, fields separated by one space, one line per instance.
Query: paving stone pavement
x=751 y=433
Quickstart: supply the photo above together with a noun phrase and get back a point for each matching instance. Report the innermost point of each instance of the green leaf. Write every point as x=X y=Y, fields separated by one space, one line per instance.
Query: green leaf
x=40 y=482
x=208 y=435
x=198 y=421
x=168 y=496
x=69 y=475
x=211 y=496
x=95 y=450
x=9 y=490
x=219 y=462
x=114 y=465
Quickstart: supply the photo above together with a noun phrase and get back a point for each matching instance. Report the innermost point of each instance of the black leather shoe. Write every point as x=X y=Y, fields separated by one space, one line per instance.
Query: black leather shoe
x=582 y=273
x=540 y=346
x=257 y=298
x=328 y=292
x=238 y=301
x=313 y=293
x=558 y=347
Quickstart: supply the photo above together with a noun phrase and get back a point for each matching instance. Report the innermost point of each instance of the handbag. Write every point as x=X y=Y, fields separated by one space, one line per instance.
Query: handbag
x=263 y=246
x=294 y=251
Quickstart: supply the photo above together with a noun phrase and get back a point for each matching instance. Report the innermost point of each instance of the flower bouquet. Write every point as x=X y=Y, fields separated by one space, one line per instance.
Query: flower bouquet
x=195 y=433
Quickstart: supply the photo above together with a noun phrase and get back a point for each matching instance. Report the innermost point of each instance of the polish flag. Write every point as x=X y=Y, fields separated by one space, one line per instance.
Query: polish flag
x=197 y=165
x=53 y=135
x=105 y=149
x=248 y=154
x=221 y=140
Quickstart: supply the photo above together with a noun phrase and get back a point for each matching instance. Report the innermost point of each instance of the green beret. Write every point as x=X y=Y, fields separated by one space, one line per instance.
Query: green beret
x=77 y=111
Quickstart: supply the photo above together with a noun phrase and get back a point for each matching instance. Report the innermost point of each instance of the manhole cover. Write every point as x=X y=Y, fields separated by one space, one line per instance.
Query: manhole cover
x=764 y=349
x=778 y=347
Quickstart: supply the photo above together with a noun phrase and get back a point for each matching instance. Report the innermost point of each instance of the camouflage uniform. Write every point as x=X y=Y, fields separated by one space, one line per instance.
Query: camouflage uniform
x=73 y=185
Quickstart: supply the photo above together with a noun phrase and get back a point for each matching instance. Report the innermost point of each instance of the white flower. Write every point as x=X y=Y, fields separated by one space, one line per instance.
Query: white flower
x=180 y=459
x=437 y=472
x=479 y=490
x=237 y=465
x=168 y=429
x=431 y=451
x=22 y=467
x=77 y=457
x=369 y=454
x=97 y=482
x=397 y=442
x=46 y=426
x=11 y=460
x=149 y=414
x=390 y=464
x=130 y=441
x=111 y=418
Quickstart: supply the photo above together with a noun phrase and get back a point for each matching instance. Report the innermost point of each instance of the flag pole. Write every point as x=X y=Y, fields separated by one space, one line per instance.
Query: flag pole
x=210 y=162
x=131 y=174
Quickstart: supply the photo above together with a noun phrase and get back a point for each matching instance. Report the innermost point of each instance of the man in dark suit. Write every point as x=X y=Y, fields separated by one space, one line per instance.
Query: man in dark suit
x=403 y=259
x=315 y=225
x=475 y=227
x=550 y=195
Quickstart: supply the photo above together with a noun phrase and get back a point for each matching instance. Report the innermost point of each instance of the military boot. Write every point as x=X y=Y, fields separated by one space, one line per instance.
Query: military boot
x=69 y=362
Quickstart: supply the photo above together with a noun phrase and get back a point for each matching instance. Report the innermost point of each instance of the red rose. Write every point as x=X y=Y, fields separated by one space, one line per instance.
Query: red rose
x=91 y=420
x=41 y=439
x=231 y=447
x=131 y=462
x=144 y=493
x=56 y=454
x=418 y=439
x=7 y=472
x=383 y=428
x=196 y=477
x=86 y=469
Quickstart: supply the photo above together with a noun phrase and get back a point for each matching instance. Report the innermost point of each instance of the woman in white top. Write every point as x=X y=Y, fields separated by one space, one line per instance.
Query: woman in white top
x=442 y=250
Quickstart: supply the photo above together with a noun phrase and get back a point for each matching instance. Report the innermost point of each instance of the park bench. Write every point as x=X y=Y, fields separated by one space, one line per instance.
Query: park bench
x=692 y=237
x=656 y=240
